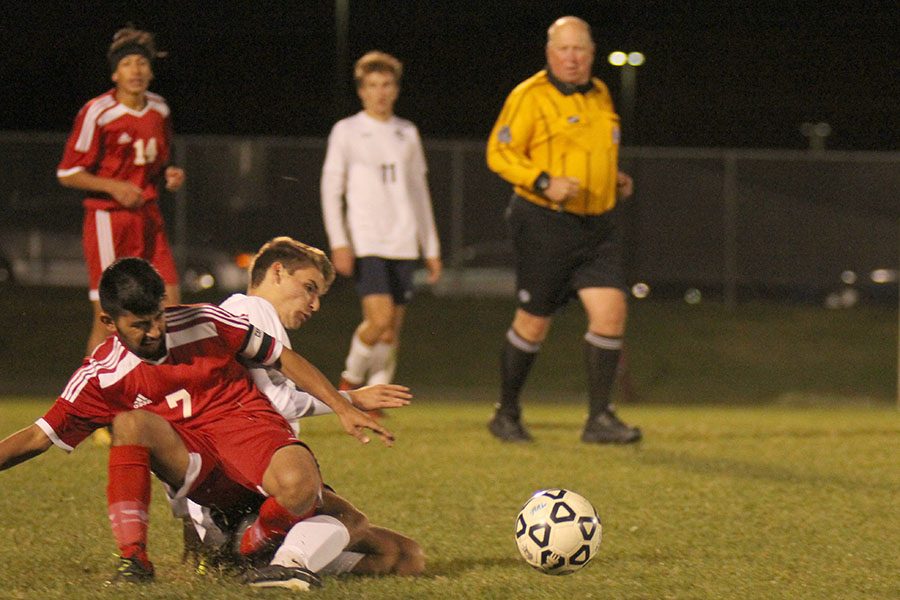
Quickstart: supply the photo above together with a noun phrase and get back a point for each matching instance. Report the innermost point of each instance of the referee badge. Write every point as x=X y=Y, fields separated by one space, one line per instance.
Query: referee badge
x=504 y=135
x=616 y=134
x=573 y=119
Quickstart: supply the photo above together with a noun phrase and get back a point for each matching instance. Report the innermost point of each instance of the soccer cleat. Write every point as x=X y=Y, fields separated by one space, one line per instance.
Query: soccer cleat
x=606 y=428
x=508 y=429
x=297 y=579
x=132 y=570
x=252 y=552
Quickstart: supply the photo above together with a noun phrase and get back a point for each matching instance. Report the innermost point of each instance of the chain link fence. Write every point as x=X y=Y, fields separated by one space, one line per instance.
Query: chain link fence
x=730 y=221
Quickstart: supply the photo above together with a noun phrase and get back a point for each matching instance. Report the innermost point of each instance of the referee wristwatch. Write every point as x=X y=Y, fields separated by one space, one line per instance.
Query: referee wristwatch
x=542 y=182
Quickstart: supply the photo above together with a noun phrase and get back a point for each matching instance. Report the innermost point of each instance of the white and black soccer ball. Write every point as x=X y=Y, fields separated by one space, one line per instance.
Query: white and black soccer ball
x=558 y=531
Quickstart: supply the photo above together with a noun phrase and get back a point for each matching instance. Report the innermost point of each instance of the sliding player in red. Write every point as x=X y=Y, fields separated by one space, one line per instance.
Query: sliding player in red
x=201 y=421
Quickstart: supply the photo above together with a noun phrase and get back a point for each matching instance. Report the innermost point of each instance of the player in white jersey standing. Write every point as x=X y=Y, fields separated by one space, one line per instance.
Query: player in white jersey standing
x=375 y=167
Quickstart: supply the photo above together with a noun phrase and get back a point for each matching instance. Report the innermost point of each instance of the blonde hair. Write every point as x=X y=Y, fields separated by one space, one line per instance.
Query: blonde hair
x=293 y=255
x=377 y=62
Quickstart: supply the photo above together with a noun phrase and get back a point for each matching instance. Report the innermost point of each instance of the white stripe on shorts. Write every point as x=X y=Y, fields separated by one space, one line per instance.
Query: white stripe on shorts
x=105 y=246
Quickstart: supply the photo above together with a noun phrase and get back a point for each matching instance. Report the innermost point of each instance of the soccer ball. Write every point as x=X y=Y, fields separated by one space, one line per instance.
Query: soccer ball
x=558 y=531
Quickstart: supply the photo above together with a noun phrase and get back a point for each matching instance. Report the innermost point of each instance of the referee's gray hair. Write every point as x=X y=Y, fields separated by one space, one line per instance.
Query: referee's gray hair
x=569 y=20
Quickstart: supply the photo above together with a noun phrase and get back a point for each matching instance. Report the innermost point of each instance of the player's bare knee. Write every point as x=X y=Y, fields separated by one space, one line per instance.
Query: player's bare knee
x=129 y=428
x=297 y=491
x=380 y=325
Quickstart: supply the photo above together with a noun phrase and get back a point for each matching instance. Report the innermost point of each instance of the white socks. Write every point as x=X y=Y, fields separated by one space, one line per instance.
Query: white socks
x=313 y=543
x=378 y=361
x=357 y=364
x=383 y=363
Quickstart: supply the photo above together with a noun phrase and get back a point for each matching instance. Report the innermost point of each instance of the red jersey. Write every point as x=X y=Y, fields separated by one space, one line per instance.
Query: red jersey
x=111 y=140
x=197 y=382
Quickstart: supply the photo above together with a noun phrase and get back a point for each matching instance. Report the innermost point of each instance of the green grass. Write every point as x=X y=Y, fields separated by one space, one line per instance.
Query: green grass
x=768 y=468
x=717 y=502
x=760 y=353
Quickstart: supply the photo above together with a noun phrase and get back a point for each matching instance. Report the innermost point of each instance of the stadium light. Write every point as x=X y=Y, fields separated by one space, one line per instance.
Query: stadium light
x=635 y=59
x=628 y=62
x=618 y=58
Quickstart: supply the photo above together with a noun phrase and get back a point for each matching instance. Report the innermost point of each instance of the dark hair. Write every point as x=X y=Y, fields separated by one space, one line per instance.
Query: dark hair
x=129 y=40
x=293 y=255
x=131 y=285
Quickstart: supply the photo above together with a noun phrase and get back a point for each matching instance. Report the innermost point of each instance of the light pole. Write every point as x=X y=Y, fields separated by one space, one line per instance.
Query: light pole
x=341 y=63
x=628 y=62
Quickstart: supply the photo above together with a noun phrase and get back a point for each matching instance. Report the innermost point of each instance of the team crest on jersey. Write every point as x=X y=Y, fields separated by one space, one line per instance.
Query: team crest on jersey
x=399 y=134
x=524 y=296
x=616 y=134
x=124 y=138
x=141 y=400
x=504 y=135
x=573 y=119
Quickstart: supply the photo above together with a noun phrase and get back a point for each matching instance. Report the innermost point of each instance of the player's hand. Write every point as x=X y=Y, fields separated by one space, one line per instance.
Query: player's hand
x=355 y=422
x=174 y=178
x=624 y=185
x=373 y=397
x=343 y=260
x=562 y=188
x=125 y=193
x=435 y=269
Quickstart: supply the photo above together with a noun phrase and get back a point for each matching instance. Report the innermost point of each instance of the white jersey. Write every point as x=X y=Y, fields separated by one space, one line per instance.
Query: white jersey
x=379 y=168
x=291 y=402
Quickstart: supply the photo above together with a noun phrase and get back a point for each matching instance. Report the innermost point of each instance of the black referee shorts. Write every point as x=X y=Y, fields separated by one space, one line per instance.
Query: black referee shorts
x=558 y=253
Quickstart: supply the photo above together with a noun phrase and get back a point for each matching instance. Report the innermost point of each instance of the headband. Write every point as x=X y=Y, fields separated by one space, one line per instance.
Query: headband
x=131 y=48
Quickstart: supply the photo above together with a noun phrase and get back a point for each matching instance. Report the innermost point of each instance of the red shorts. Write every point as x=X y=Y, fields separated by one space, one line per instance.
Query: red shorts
x=112 y=234
x=233 y=449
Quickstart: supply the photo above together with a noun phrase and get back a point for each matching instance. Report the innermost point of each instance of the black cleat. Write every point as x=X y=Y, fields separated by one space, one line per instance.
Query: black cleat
x=606 y=428
x=508 y=429
x=297 y=579
x=132 y=570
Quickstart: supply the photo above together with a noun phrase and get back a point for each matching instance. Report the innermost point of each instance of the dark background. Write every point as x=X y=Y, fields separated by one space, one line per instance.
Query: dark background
x=724 y=74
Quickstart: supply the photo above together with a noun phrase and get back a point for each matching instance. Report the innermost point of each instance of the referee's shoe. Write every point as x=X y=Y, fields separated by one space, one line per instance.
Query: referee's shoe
x=607 y=428
x=507 y=428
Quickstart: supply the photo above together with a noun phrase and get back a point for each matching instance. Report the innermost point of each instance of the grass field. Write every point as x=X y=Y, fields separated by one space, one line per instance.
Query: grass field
x=768 y=468
x=759 y=353
x=717 y=502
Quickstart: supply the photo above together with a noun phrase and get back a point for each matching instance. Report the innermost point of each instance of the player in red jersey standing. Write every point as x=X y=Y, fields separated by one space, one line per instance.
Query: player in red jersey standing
x=180 y=403
x=118 y=153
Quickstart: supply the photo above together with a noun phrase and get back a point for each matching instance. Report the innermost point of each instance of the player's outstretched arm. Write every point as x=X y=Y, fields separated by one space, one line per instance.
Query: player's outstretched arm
x=307 y=376
x=23 y=445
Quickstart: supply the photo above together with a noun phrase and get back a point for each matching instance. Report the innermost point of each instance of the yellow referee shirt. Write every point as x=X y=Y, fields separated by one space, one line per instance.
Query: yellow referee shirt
x=541 y=129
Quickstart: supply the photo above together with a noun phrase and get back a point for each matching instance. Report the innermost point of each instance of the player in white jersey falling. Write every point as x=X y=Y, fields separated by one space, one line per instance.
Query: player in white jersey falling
x=283 y=294
x=376 y=165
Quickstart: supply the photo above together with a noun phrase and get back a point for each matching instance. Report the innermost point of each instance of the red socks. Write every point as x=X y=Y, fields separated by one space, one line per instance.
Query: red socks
x=128 y=499
x=273 y=523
